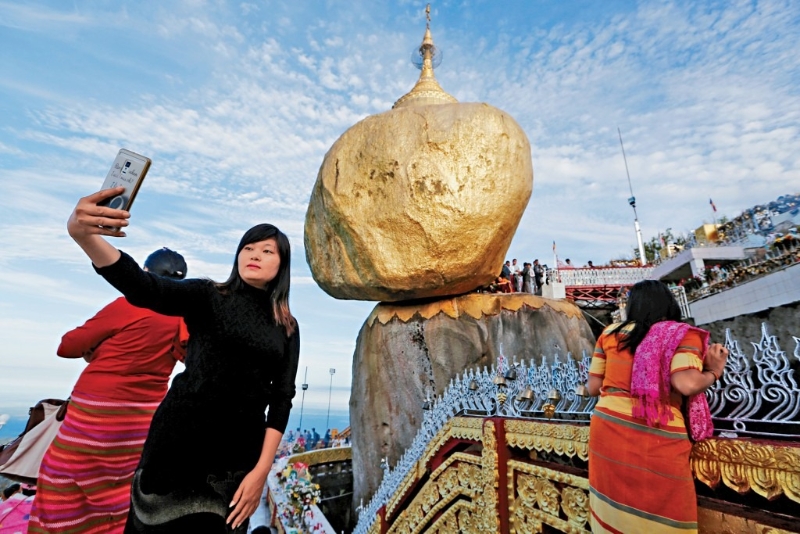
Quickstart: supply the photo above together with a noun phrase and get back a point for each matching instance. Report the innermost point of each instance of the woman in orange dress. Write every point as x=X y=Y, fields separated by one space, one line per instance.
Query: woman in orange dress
x=639 y=474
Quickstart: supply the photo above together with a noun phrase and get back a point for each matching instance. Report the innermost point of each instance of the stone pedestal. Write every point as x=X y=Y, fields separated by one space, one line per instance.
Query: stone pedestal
x=554 y=290
x=407 y=351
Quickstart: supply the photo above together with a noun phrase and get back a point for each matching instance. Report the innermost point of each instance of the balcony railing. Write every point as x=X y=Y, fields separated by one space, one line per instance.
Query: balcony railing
x=601 y=276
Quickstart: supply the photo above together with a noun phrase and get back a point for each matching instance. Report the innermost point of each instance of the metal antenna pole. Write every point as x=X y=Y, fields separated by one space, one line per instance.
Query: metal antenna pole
x=632 y=202
x=330 y=390
x=303 y=401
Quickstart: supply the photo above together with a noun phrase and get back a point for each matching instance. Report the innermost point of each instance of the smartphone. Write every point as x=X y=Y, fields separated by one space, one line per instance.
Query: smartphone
x=128 y=171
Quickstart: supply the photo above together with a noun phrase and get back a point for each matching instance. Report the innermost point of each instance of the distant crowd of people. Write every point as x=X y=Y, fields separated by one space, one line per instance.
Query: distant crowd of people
x=513 y=278
x=718 y=278
x=526 y=278
x=297 y=441
x=762 y=219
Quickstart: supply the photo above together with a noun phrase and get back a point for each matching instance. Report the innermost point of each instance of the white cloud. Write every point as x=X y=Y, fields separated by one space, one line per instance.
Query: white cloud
x=37 y=18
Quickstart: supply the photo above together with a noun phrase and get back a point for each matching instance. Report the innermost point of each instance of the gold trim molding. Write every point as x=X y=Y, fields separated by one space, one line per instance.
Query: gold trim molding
x=768 y=469
x=469 y=428
x=561 y=438
x=475 y=305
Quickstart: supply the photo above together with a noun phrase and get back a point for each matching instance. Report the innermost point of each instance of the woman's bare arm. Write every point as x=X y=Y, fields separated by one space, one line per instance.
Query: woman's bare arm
x=594 y=385
x=691 y=381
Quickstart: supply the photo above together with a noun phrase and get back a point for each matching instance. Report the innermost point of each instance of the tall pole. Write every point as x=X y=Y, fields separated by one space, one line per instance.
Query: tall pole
x=632 y=202
x=330 y=390
x=303 y=401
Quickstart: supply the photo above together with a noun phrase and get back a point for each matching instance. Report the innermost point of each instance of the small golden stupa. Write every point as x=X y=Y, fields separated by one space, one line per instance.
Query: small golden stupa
x=427 y=90
x=420 y=201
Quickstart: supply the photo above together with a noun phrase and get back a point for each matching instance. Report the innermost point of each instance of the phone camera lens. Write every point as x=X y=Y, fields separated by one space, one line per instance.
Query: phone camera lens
x=117 y=202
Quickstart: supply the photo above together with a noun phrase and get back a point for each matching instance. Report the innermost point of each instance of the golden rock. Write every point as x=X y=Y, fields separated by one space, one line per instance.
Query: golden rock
x=417 y=202
x=420 y=201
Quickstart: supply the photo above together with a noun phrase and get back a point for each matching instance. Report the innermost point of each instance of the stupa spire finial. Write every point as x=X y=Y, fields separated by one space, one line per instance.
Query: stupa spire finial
x=427 y=90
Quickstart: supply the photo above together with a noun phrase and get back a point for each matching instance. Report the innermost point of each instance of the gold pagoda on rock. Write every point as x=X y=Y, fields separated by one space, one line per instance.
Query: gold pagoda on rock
x=420 y=201
x=427 y=91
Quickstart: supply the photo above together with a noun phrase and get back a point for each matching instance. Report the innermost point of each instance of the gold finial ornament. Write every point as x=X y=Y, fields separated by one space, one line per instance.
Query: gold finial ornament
x=427 y=91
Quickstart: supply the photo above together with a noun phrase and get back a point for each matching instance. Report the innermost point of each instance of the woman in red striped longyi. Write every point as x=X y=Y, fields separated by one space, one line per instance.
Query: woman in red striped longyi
x=85 y=478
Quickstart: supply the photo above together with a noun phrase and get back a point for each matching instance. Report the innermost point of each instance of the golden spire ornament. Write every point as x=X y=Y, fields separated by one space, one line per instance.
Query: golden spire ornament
x=427 y=91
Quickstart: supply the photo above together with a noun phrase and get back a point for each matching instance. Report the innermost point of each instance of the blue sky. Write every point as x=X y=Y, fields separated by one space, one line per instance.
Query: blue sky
x=237 y=102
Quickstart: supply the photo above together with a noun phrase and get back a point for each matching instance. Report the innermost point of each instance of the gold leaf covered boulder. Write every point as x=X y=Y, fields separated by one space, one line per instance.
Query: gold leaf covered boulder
x=420 y=201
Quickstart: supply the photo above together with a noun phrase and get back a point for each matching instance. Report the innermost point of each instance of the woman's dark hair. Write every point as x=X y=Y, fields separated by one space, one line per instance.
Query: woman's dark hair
x=649 y=302
x=278 y=288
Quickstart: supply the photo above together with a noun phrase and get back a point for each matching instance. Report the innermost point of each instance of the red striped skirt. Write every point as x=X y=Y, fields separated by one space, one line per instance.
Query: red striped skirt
x=85 y=477
x=640 y=479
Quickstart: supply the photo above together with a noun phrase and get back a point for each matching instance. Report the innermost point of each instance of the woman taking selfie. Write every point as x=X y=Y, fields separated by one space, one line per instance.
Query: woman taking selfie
x=209 y=450
x=640 y=479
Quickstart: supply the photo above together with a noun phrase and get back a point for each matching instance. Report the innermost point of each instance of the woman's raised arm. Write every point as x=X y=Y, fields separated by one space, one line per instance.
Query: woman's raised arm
x=89 y=223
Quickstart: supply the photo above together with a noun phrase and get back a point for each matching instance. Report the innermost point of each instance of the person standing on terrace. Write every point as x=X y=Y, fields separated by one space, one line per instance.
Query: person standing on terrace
x=644 y=369
x=85 y=476
x=241 y=358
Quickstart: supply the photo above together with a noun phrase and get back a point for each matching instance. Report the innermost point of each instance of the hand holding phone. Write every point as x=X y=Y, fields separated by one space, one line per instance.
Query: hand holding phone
x=88 y=222
x=128 y=171
x=89 y=217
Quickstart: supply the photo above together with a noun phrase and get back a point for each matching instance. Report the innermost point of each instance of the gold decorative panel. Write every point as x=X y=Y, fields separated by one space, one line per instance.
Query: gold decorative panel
x=768 y=469
x=462 y=491
x=458 y=518
x=459 y=476
x=468 y=428
x=539 y=496
x=462 y=494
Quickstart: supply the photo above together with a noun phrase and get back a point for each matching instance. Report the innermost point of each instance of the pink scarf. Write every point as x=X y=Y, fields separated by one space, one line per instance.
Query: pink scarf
x=650 y=379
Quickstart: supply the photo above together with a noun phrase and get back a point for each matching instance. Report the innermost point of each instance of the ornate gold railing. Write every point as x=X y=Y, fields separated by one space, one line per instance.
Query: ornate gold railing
x=758 y=397
x=499 y=475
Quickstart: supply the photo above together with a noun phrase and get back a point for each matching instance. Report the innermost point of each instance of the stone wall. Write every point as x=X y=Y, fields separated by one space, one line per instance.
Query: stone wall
x=783 y=322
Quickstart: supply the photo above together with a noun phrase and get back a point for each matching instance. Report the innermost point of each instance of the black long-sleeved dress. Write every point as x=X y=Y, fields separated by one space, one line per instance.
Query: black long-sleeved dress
x=209 y=430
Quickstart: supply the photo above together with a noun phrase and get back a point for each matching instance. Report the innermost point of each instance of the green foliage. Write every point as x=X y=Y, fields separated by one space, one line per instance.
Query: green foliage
x=653 y=247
